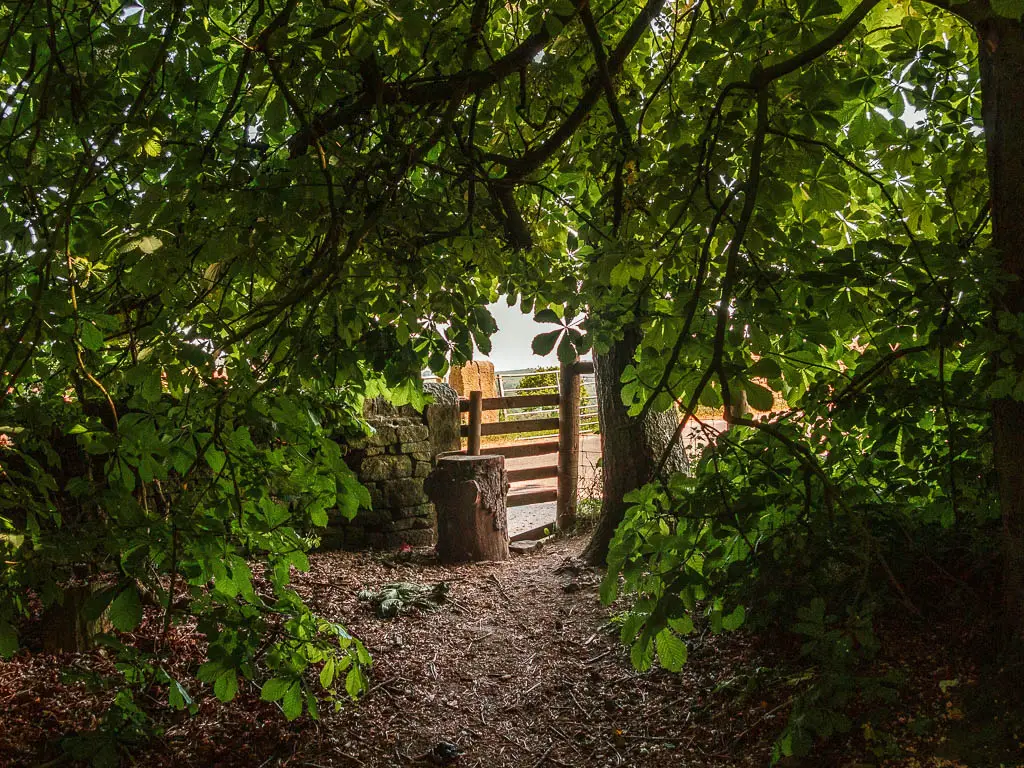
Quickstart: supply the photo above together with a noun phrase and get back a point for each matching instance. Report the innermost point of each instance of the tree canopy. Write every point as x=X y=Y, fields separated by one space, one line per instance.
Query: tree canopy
x=226 y=223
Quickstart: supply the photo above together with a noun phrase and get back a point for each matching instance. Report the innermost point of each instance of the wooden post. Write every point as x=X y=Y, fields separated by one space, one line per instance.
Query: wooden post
x=568 y=445
x=469 y=494
x=476 y=419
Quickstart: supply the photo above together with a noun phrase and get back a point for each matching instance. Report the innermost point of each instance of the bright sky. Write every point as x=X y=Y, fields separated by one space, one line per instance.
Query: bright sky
x=511 y=344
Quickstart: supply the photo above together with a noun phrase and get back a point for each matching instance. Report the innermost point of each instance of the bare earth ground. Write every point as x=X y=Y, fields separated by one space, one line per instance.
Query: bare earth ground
x=520 y=668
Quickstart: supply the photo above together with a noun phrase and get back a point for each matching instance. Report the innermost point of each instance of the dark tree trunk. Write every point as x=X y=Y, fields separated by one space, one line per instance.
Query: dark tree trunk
x=631 y=447
x=1001 y=54
x=66 y=626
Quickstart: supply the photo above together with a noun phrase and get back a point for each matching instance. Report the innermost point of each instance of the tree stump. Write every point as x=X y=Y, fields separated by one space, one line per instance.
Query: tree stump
x=469 y=495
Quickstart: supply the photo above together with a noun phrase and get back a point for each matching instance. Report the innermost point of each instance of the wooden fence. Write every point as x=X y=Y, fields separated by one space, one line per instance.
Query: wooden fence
x=566 y=446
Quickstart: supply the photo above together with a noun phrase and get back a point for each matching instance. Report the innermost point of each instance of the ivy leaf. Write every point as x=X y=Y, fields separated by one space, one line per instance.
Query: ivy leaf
x=545 y=342
x=126 y=611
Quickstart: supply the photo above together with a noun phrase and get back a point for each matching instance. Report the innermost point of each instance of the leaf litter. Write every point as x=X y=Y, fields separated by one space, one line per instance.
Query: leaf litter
x=506 y=668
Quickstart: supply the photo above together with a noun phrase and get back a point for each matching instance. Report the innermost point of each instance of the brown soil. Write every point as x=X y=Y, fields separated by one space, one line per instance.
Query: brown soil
x=520 y=668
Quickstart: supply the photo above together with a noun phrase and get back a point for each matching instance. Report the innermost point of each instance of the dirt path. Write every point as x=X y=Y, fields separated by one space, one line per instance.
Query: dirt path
x=518 y=671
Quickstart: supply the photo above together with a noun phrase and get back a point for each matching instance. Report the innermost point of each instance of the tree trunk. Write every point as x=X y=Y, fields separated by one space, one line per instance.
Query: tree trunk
x=66 y=626
x=1001 y=54
x=469 y=494
x=631 y=447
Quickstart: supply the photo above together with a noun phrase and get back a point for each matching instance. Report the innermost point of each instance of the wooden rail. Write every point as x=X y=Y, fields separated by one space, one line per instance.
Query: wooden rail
x=513 y=401
x=524 y=449
x=532 y=473
x=512 y=427
x=522 y=498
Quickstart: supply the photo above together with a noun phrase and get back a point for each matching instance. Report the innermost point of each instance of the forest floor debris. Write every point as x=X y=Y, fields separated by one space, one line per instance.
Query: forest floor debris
x=512 y=671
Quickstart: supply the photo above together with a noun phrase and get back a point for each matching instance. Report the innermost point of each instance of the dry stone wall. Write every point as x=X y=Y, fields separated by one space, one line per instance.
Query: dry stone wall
x=392 y=463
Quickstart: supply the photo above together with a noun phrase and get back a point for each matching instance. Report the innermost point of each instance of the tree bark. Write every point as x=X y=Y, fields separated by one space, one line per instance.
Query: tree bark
x=469 y=494
x=1001 y=55
x=66 y=626
x=631 y=447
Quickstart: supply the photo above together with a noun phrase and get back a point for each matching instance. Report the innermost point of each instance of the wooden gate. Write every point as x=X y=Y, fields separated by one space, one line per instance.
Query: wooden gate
x=566 y=445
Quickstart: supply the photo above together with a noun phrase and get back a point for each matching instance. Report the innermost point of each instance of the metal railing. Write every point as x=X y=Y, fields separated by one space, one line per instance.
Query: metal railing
x=509 y=386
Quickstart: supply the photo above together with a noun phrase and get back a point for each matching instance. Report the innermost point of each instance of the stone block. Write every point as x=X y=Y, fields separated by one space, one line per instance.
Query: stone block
x=414 y=538
x=383 y=435
x=442 y=417
x=377 y=468
x=377 y=496
x=332 y=538
x=421 y=468
x=373 y=518
x=423 y=523
x=405 y=492
x=413 y=433
x=419 y=510
x=403 y=525
x=419 y=447
x=422 y=456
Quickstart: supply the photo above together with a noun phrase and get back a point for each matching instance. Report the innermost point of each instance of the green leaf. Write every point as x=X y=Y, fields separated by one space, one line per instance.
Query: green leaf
x=125 y=612
x=226 y=686
x=545 y=342
x=177 y=696
x=355 y=682
x=149 y=244
x=735 y=619
x=215 y=459
x=765 y=368
x=291 y=702
x=275 y=688
x=671 y=650
x=641 y=653
x=566 y=350
x=760 y=398
x=547 y=316
x=8 y=640
x=327 y=673
x=92 y=337
x=1009 y=9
